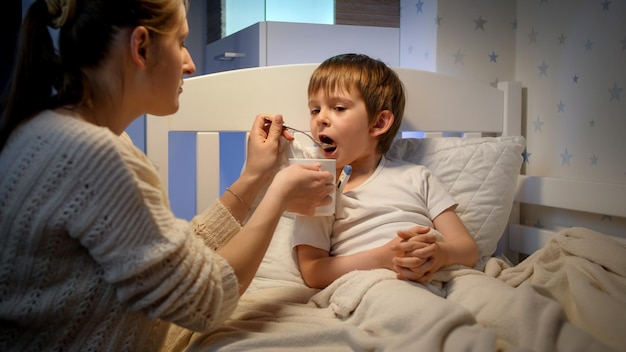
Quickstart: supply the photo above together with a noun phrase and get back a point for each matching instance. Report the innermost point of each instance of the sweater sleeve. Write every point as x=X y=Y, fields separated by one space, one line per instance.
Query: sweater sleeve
x=153 y=259
x=216 y=225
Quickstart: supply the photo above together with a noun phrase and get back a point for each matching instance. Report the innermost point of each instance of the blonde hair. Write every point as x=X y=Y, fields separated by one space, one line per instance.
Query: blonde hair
x=377 y=83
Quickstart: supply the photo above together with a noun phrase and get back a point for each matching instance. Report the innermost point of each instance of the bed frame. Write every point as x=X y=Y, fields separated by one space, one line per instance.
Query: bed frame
x=229 y=101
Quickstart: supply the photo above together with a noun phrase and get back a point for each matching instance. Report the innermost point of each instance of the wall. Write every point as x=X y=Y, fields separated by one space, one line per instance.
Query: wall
x=570 y=56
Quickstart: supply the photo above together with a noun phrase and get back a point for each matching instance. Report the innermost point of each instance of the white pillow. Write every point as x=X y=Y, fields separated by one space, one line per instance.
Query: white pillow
x=480 y=173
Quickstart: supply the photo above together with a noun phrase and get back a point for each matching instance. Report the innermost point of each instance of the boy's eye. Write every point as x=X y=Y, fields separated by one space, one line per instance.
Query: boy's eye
x=340 y=108
x=315 y=111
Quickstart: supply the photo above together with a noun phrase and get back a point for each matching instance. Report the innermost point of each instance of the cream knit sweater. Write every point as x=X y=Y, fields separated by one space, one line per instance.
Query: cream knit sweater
x=91 y=257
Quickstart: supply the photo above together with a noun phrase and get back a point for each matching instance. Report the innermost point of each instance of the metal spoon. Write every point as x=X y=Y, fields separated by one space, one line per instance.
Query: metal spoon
x=320 y=144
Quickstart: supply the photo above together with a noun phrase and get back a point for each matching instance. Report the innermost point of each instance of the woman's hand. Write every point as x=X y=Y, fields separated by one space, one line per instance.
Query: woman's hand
x=302 y=188
x=420 y=254
x=263 y=154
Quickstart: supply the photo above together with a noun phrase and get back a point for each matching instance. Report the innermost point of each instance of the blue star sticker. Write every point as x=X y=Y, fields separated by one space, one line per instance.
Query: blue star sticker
x=419 y=6
x=493 y=57
x=526 y=156
x=623 y=41
x=514 y=24
x=532 y=36
x=565 y=157
x=438 y=20
x=588 y=45
x=594 y=160
x=543 y=69
x=560 y=106
x=615 y=92
x=561 y=39
x=458 y=57
x=494 y=83
x=538 y=124
x=480 y=24
x=575 y=78
x=592 y=123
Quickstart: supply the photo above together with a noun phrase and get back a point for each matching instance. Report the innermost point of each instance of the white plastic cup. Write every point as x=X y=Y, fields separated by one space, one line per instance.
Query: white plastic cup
x=327 y=165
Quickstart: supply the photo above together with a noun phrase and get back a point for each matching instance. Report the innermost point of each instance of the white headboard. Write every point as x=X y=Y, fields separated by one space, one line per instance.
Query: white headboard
x=229 y=101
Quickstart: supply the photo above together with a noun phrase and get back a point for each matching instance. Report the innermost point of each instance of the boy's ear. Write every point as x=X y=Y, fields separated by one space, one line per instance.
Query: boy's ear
x=139 y=43
x=382 y=123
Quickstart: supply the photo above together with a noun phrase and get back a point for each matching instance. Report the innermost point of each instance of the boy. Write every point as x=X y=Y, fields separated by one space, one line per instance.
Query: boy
x=356 y=105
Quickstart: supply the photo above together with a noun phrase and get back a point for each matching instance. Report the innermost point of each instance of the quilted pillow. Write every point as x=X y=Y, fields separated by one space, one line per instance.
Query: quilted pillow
x=480 y=173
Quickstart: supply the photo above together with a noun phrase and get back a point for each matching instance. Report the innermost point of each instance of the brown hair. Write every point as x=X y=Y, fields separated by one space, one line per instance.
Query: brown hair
x=45 y=78
x=377 y=83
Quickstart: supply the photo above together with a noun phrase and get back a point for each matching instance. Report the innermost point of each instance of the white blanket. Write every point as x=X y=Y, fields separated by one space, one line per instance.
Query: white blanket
x=569 y=296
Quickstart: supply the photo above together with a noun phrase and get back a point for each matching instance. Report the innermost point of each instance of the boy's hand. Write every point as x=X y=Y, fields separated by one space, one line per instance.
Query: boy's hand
x=420 y=255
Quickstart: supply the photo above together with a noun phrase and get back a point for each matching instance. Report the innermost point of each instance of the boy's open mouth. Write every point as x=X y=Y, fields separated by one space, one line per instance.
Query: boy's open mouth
x=328 y=140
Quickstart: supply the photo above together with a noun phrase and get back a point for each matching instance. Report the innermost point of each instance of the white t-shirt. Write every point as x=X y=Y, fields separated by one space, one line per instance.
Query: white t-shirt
x=398 y=196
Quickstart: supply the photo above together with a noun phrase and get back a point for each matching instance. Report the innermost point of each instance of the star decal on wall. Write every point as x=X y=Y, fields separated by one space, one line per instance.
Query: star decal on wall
x=494 y=83
x=514 y=24
x=493 y=57
x=526 y=156
x=458 y=56
x=623 y=41
x=594 y=160
x=588 y=45
x=532 y=36
x=565 y=157
x=561 y=39
x=575 y=78
x=543 y=69
x=480 y=24
x=538 y=124
x=560 y=106
x=438 y=20
x=592 y=123
x=615 y=91
x=419 y=6
x=605 y=5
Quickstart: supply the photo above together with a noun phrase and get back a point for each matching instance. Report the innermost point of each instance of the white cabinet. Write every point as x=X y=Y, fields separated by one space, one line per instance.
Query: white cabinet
x=281 y=43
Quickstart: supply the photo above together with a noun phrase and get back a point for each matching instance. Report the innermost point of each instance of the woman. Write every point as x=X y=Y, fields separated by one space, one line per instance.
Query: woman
x=92 y=257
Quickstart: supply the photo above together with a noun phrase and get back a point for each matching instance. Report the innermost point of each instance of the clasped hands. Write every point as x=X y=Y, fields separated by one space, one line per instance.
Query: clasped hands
x=417 y=254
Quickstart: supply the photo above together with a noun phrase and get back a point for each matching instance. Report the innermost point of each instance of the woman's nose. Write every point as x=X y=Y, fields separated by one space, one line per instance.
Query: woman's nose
x=188 y=65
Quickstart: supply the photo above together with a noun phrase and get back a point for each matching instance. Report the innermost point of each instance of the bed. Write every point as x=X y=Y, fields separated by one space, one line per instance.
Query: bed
x=533 y=289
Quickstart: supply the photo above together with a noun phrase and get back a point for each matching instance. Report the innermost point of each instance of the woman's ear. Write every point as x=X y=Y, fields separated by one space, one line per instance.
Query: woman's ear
x=382 y=123
x=139 y=43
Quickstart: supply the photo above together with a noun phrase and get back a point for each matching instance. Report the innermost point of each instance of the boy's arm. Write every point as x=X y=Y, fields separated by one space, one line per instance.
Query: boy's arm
x=319 y=269
x=459 y=246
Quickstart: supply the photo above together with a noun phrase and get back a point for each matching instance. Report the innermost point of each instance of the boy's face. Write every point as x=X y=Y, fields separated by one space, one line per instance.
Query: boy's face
x=340 y=118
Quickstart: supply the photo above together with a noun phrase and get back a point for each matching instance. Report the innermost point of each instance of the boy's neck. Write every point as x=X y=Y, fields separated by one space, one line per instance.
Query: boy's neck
x=362 y=169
